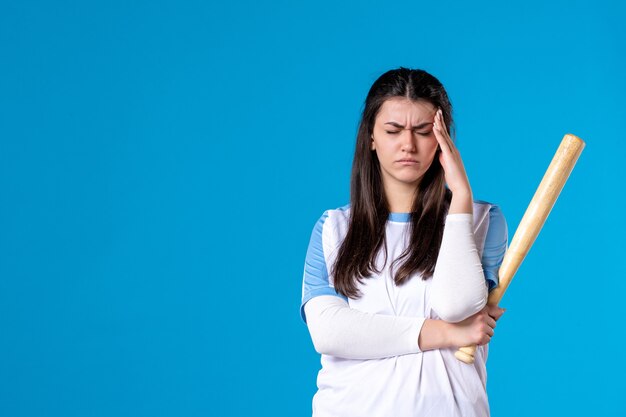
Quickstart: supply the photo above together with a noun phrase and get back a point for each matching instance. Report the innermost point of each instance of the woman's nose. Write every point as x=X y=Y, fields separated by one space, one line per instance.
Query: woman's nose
x=408 y=141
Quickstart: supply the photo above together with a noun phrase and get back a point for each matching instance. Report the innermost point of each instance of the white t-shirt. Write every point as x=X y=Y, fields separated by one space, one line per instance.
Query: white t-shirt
x=430 y=383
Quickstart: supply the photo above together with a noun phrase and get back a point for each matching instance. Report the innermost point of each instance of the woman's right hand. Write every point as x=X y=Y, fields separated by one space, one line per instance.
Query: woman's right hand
x=450 y=158
x=477 y=329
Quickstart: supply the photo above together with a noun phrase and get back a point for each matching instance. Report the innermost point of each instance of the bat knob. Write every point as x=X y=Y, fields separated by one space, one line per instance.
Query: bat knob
x=466 y=354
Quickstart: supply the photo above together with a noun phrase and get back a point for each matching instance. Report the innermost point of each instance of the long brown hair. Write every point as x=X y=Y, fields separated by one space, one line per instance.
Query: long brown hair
x=369 y=209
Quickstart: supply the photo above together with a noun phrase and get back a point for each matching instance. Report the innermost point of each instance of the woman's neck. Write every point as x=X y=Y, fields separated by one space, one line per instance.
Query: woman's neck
x=400 y=197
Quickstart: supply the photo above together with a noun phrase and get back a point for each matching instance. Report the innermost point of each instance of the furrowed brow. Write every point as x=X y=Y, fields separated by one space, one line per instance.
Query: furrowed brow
x=399 y=126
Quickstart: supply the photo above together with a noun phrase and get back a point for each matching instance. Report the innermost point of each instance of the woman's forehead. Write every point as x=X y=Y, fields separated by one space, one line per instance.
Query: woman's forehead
x=402 y=109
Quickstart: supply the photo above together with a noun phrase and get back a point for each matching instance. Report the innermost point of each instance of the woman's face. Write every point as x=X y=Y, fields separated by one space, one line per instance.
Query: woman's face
x=404 y=141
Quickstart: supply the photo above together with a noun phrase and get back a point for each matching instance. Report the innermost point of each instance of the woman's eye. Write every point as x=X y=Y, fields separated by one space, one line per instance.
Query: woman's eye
x=393 y=132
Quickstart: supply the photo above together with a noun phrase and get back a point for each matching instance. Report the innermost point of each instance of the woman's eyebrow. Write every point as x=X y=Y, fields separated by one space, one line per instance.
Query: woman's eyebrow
x=398 y=125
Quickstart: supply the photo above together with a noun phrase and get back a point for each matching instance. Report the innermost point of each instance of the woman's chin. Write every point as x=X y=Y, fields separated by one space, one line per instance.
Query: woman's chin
x=413 y=180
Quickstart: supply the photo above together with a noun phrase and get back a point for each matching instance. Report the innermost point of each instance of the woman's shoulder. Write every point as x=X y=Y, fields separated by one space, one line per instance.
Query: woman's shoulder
x=482 y=206
x=342 y=211
x=332 y=216
x=485 y=213
x=482 y=203
x=335 y=218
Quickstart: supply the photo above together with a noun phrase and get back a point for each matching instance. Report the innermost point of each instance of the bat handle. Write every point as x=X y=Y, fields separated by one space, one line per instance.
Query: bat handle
x=466 y=354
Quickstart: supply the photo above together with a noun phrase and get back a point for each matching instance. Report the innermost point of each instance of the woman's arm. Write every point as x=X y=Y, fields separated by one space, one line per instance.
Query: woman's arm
x=341 y=331
x=458 y=289
x=338 y=330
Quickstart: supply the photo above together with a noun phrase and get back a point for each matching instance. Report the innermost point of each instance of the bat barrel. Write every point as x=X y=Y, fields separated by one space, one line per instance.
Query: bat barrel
x=535 y=216
x=538 y=210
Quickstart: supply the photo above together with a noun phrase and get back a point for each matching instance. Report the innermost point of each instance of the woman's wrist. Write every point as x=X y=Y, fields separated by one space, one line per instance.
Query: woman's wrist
x=462 y=202
x=435 y=334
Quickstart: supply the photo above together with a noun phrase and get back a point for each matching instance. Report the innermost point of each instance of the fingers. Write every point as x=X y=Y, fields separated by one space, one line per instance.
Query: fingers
x=489 y=331
x=440 y=132
x=495 y=311
x=490 y=315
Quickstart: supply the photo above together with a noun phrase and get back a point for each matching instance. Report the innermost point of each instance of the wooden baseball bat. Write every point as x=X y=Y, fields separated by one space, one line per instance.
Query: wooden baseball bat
x=535 y=216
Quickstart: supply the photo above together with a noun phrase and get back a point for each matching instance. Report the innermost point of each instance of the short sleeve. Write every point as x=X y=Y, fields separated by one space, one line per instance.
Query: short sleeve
x=495 y=246
x=315 y=280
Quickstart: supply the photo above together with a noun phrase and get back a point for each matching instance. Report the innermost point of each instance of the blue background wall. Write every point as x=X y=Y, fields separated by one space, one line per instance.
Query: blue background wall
x=162 y=165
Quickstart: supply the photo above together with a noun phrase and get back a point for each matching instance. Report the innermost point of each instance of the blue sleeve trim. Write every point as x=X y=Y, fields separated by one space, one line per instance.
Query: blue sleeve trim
x=495 y=246
x=315 y=281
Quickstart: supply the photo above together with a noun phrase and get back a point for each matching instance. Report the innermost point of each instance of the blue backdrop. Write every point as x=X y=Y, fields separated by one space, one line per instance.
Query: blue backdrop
x=162 y=165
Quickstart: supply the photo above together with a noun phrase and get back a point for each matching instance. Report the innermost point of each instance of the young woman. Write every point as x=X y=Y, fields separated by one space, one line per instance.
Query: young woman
x=397 y=280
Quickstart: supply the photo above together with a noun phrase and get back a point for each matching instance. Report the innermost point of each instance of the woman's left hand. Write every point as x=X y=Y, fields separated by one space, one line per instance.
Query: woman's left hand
x=450 y=158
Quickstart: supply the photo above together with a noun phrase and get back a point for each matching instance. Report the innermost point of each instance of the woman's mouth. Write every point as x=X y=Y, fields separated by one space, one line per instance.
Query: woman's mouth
x=407 y=162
